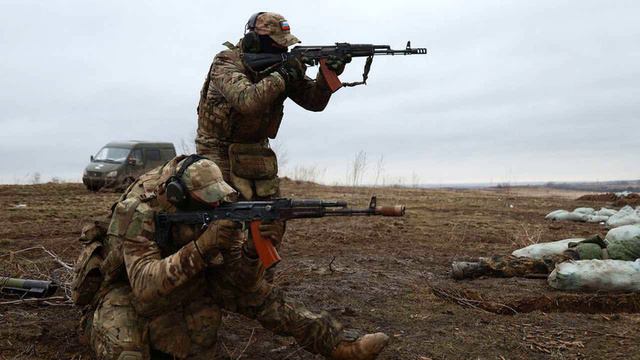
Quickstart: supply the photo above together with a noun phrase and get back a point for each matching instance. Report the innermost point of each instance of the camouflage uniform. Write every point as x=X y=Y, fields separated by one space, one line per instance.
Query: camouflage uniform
x=239 y=106
x=592 y=248
x=171 y=302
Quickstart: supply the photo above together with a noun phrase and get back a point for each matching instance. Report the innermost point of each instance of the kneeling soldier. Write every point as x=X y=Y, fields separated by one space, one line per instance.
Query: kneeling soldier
x=155 y=302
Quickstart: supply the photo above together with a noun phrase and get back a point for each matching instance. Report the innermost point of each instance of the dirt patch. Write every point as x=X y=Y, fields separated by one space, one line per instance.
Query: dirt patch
x=560 y=302
x=606 y=197
x=374 y=274
x=632 y=199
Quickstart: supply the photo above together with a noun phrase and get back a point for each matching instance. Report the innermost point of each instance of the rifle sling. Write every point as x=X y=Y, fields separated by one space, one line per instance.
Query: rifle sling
x=365 y=74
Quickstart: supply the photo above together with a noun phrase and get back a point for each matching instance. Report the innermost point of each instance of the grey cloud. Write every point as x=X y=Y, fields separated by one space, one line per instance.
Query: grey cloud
x=510 y=90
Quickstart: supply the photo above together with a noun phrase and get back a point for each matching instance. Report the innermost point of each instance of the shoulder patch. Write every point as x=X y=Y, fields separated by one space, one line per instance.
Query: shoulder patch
x=142 y=222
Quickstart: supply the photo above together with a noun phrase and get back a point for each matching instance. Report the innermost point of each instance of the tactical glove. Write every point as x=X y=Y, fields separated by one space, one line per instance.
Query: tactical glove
x=273 y=231
x=292 y=70
x=218 y=236
x=337 y=63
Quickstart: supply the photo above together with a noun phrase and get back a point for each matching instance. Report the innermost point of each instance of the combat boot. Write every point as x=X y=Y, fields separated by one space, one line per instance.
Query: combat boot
x=366 y=347
x=466 y=270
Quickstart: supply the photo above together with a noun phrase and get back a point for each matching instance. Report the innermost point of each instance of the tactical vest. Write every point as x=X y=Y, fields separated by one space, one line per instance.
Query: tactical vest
x=218 y=120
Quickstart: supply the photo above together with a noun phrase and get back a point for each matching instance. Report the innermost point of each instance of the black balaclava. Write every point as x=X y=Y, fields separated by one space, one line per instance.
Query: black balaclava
x=267 y=45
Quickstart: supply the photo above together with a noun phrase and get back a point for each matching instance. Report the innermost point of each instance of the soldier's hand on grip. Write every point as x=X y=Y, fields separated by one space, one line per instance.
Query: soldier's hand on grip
x=292 y=70
x=220 y=235
x=337 y=63
x=273 y=231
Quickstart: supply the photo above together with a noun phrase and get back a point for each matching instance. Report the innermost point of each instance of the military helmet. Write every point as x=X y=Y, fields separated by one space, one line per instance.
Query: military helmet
x=201 y=178
x=274 y=25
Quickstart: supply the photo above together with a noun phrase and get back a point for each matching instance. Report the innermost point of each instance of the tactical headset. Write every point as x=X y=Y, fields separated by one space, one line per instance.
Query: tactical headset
x=176 y=190
x=251 y=41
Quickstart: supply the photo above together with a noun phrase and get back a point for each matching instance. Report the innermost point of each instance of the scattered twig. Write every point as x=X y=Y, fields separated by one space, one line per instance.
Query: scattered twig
x=55 y=257
x=330 y=265
x=45 y=300
x=247 y=345
x=293 y=352
x=461 y=299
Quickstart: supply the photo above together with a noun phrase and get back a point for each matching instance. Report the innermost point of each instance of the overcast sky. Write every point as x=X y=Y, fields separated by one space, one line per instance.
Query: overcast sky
x=510 y=90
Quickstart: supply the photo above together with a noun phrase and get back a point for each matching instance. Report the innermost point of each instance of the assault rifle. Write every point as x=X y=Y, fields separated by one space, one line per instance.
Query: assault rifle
x=255 y=212
x=27 y=288
x=318 y=55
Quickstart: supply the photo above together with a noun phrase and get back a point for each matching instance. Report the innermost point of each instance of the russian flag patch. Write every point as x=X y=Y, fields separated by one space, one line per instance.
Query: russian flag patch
x=284 y=26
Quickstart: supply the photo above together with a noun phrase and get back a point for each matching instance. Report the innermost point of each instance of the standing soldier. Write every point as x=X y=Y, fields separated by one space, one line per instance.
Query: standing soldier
x=240 y=110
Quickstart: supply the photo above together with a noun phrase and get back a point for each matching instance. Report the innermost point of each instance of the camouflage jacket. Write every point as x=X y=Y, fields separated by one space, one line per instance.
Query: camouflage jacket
x=160 y=280
x=238 y=106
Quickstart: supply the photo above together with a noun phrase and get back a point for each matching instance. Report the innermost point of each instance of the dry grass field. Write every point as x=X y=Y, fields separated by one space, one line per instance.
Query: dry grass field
x=376 y=274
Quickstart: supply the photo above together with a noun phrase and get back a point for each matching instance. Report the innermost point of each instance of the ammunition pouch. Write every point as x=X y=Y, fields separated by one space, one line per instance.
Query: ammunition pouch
x=87 y=274
x=113 y=265
x=254 y=170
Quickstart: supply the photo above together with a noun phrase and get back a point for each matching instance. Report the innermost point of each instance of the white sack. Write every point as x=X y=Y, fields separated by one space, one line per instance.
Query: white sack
x=626 y=216
x=596 y=275
x=597 y=218
x=537 y=251
x=623 y=194
x=551 y=215
x=623 y=233
x=606 y=212
x=569 y=216
x=584 y=210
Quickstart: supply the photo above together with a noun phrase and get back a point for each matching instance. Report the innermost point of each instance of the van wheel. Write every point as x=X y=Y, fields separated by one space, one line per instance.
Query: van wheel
x=93 y=188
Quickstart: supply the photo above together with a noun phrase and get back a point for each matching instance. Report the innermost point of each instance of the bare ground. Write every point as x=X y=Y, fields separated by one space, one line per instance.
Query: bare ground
x=375 y=274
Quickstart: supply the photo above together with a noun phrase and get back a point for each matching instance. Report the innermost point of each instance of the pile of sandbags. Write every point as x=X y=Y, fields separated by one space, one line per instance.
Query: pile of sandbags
x=596 y=275
x=538 y=251
x=626 y=216
x=582 y=214
x=624 y=194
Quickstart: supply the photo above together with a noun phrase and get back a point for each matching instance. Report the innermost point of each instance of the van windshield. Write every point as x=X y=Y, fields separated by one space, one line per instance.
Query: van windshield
x=112 y=155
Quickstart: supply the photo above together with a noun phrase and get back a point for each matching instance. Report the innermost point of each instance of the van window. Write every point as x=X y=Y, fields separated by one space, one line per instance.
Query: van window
x=167 y=154
x=153 y=154
x=111 y=155
x=137 y=155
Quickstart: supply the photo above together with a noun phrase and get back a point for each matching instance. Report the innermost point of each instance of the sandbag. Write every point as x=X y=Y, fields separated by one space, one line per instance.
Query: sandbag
x=573 y=216
x=597 y=218
x=564 y=215
x=596 y=275
x=584 y=210
x=538 y=251
x=623 y=194
x=551 y=215
x=623 y=233
x=626 y=216
x=606 y=212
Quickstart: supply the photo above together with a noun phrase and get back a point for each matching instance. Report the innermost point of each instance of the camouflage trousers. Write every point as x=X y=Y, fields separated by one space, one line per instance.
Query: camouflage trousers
x=514 y=266
x=188 y=330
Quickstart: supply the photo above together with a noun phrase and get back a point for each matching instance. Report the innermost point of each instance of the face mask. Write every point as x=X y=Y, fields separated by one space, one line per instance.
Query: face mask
x=267 y=45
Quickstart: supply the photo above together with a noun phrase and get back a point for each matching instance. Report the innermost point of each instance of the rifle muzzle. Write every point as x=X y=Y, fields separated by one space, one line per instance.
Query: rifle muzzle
x=395 y=210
